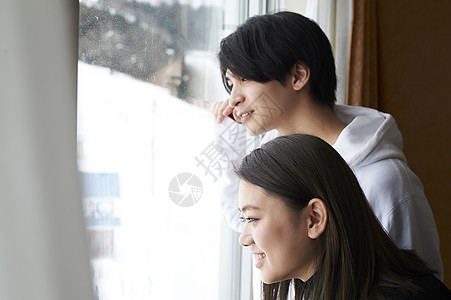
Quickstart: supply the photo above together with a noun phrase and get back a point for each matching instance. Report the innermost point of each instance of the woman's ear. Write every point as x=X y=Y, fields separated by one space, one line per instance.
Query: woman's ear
x=300 y=76
x=317 y=218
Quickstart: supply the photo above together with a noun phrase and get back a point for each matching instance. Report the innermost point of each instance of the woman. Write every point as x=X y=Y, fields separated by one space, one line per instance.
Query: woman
x=306 y=218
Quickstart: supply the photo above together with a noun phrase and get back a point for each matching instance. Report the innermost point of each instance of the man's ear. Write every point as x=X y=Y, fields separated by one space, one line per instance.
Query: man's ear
x=300 y=76
x=316 y=218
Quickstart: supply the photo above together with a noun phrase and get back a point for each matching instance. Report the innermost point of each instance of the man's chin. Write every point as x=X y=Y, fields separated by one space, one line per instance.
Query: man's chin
x=255 y=131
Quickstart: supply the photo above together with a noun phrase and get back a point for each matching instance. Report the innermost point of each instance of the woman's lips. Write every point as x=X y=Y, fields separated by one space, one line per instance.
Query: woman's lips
x=258 y=259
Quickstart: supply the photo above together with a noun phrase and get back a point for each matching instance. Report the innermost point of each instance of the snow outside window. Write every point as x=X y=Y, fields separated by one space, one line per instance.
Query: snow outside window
x=147 y=74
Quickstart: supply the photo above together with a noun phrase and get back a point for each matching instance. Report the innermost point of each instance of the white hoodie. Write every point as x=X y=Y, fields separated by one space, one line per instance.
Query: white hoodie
x=372 y=146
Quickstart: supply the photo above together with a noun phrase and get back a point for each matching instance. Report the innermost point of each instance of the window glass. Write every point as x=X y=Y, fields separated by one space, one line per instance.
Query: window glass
x=147 y=74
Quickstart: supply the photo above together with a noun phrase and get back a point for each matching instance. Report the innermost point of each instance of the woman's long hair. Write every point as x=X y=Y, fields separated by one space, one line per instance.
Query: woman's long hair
x=355 y=257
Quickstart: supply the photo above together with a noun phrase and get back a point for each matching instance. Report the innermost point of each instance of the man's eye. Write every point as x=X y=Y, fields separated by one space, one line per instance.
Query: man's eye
x=243 y=79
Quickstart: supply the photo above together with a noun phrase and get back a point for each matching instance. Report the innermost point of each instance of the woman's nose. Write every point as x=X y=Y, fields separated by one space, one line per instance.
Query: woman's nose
x=245 y=239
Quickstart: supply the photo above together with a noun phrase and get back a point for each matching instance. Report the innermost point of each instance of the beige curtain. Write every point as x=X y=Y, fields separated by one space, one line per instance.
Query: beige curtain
x=363 y=58
x=43 y=245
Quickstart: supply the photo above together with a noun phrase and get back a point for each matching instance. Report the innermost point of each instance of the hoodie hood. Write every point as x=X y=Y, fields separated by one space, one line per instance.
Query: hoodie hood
x=369 y=136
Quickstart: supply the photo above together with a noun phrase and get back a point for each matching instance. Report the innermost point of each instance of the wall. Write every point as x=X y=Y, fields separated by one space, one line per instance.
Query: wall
x=415 y=87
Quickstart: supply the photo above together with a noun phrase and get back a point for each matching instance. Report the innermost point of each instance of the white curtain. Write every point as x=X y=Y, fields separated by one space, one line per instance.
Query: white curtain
x=43 y=247
x=323 y=12
x=335 y=18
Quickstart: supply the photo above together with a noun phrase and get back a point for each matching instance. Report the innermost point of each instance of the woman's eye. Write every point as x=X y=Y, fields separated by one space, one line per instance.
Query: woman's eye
x=248 y=220
x=243 y=79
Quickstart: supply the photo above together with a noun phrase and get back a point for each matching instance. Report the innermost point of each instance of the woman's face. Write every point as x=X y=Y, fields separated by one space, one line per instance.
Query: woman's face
x=276 y=236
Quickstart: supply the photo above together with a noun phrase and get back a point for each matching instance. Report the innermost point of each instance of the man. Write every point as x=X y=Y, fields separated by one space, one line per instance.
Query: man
x=280 y=72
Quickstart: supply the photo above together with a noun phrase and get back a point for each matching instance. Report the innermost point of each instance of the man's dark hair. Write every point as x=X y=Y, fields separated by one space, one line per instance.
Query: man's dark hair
x=266 y=47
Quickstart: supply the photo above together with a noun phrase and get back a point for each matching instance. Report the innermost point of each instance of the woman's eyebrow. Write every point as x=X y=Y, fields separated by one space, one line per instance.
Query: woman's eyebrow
x=248 y=207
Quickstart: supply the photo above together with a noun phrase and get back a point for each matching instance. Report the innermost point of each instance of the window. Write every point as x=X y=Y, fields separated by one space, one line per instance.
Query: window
x=147 y=74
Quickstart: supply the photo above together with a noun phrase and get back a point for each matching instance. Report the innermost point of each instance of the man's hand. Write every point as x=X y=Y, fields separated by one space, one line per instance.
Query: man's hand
x=222 y=109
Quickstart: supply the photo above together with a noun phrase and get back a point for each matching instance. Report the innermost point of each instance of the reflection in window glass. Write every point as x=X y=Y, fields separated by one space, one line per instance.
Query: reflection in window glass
x=147 y=72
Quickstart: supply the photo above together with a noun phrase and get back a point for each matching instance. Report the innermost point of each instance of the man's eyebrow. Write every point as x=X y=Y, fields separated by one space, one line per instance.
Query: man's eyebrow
x=230 y=74
x=248 y=207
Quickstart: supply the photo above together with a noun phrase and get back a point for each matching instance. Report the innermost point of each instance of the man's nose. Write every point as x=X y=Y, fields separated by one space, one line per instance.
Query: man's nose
x=235 y=99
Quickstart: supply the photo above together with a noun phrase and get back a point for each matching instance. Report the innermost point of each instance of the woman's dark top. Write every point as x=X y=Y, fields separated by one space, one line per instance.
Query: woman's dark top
x=431 y=289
